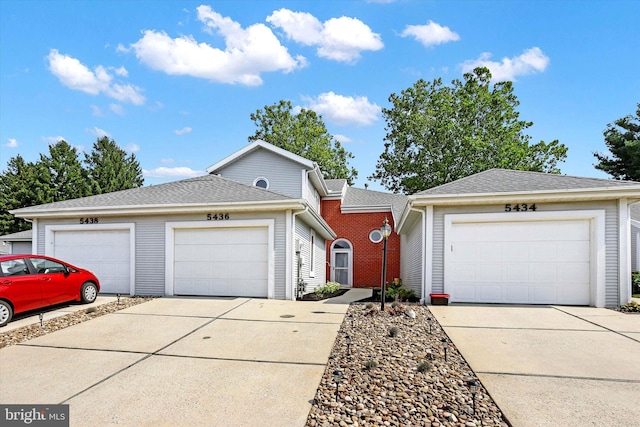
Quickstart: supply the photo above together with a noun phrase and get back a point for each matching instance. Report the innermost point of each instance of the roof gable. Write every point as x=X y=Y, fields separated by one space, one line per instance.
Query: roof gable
x=260 y=145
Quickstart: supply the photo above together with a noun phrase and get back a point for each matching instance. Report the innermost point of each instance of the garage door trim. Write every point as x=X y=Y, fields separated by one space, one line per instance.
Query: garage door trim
x=597 y=239
x=49 y=233
x=170 y=228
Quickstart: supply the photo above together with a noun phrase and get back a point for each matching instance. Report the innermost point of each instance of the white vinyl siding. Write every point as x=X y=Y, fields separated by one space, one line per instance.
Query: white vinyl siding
x=284 y=175
x=412 y=254
x=303 y=235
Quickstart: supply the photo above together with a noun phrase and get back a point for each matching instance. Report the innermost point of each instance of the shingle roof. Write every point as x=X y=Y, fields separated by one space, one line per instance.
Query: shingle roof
x=20 y=235
x=358 y=197
x=507 y=181
x=200 y=190
x=335 y=185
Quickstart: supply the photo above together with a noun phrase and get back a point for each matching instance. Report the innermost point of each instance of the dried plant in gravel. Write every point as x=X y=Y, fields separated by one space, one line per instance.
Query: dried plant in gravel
x=26 y=333
x=396 y=393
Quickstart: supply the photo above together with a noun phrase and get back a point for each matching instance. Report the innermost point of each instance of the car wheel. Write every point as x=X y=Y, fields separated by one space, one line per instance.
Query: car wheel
x=6 y=313
x=89 y=292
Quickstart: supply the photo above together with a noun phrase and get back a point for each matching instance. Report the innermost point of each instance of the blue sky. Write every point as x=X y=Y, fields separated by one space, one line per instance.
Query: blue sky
x=176 y=82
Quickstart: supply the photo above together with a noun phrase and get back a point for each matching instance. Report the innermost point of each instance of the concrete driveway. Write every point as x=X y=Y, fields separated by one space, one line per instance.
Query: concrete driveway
x=182 y=361
x=552 y=365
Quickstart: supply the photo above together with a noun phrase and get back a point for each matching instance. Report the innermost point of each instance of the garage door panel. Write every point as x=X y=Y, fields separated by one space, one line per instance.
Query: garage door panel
x=106 y=253
x=519 y=262
x=221 y=261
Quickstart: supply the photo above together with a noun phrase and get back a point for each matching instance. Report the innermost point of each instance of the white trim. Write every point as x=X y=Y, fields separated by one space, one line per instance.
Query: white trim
x=598 y=248
x=261 y=178
x=427 y=263
x=288 y=262
x=34 y=236
x=349 y=260
x=624 y=251
x=49 y=242
x=170 y=228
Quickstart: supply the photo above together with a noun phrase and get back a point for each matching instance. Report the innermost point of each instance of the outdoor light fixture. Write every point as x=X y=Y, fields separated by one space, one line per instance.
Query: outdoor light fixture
x=41 y=316
x=385 y=230
x=348 y=338
x=474 y=386
x=118 y=296
x=336 y=376
x=429 y=322
x=445 y=343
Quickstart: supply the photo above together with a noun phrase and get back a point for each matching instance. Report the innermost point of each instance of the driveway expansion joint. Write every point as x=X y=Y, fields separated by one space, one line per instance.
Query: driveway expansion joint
x=598 y=325
x=563 y=377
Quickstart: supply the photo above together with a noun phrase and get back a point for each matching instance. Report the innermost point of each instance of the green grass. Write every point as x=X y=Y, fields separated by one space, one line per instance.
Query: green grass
x=636 y=295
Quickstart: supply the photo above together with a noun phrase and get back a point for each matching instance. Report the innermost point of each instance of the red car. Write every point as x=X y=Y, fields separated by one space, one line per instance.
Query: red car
x=29 y=282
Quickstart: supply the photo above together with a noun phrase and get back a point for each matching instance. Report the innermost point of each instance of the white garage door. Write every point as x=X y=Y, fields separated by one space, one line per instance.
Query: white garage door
x=106 y=253
x=221 y=261
x=532 y=262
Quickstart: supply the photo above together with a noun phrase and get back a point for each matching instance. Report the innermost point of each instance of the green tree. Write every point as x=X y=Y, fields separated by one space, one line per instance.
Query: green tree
x=110 y=169
x=306 y=135
x=67 y=177
x=22 y=184
x=622 y=138
x=438 y=134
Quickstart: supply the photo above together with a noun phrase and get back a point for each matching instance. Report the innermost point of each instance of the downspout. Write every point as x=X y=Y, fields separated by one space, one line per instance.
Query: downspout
x=294 y=285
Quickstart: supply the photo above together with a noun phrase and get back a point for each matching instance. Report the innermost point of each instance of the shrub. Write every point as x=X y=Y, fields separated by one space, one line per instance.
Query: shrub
x=396 y=291
x=393 y=331
x=328 y=288
x=369 y=305
x=424 y=366
x=630 y=307
x=370 y=364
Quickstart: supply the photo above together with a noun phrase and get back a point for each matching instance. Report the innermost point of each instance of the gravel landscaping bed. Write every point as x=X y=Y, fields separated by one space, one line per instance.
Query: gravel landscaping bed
x=26 y=333
x=389 y=369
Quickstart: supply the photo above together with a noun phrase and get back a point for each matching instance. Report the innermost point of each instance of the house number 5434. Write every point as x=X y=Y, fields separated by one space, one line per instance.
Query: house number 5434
x=520 y=207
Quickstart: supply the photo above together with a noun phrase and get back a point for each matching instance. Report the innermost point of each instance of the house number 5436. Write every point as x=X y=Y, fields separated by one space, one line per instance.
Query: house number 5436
x=217 y=216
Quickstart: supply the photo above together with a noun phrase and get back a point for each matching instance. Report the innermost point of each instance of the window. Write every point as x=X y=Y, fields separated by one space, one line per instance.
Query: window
x=46 y=266
x=375 y=236
x=312 y=254
x=14 y=267
x=261 y=182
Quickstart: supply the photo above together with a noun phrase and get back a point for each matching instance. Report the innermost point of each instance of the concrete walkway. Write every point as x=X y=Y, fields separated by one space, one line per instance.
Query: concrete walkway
x=552 y=365
x=182 y=361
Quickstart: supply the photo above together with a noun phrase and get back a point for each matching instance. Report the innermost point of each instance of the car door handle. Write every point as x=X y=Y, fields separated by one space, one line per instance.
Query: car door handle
x=5 y=282
x=45 y=279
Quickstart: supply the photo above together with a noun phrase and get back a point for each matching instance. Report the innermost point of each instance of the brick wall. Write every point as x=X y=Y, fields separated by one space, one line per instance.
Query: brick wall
x=367 y=256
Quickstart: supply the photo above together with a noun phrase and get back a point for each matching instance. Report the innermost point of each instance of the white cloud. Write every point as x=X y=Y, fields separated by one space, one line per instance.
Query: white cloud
x=167 y=161
x=247 y=53
x=96 y=111
x=183 y=131
x=344 y=110
x=77 y=76
x=13 y=143
x=98 y=132
x=431 y=34
x=116 y=109
x=53 y=139
x=341 y=138
x=133 y=148
x=530 y=61
x=340 y=39
x=121 y=71
x=177 y=172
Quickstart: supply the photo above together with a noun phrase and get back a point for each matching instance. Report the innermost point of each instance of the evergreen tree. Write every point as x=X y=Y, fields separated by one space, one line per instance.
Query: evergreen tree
x=110 y=169
x=622 y=138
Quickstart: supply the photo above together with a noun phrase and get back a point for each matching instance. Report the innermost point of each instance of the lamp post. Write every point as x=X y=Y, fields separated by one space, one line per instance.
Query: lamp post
x=385 y=230
x=473 y=385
